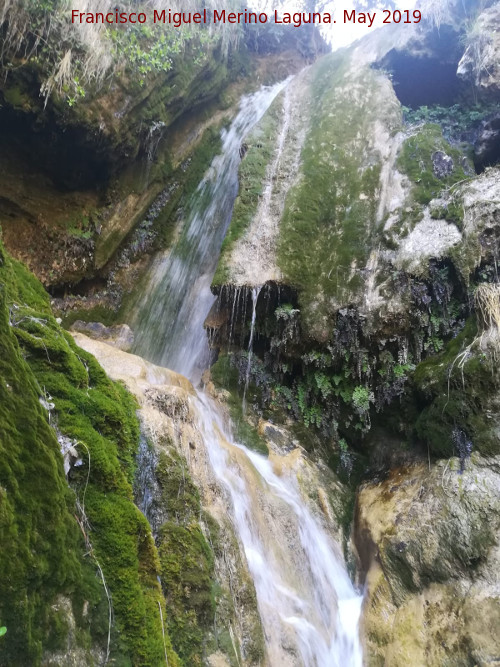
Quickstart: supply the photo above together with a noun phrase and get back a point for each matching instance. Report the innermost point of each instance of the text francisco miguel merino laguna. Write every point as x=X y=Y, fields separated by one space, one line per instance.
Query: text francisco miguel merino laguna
x=213 y=16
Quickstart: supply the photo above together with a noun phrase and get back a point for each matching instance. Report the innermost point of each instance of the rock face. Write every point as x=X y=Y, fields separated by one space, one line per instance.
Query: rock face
x=79 y=174
x=169 y=424
x=480 y=62
x=172 y=423
x=428 y=543
x=487 y=144
x=118 y=335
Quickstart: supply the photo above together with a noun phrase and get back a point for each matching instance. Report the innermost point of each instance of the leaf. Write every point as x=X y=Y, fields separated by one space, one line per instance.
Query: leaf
x=3 y=630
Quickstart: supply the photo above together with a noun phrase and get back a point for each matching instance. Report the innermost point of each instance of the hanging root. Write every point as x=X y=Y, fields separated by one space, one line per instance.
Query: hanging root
x=487 y=303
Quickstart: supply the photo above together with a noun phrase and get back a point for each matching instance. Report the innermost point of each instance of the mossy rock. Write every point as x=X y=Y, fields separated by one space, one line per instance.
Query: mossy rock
x=330 y=215
x=99 y=416
x=459 y=392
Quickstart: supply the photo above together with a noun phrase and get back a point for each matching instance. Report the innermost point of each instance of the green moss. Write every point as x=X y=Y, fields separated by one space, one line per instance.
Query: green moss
x=99 y=416
x=330 y=214
x=225 y=376
x=456 y=395
x=187 y=561
x=415 y=160
x=96 y=314
x=17 y=98
x=40 y=542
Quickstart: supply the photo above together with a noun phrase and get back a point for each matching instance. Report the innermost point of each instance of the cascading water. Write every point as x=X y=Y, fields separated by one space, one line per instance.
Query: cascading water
x=309 y=608
x=307 y=603
x=255 y=296
x=168 y=320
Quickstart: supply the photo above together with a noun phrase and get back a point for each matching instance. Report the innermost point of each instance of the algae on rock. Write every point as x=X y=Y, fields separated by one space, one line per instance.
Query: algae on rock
x=211 y=603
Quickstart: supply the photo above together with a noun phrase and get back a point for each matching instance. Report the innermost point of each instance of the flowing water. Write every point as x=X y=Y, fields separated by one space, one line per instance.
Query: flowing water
x=308 y=606
x=169 y=318
x=255 y=296
x=307 y=603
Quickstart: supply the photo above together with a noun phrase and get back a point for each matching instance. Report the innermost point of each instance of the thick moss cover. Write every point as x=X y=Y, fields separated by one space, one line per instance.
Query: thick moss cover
x=330 y=215
x=187 y=561
x=40 y=541
x=37 y=506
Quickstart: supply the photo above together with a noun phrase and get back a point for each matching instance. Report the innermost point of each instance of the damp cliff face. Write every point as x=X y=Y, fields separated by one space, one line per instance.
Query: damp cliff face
x=368 y=226
x=101 y=129
x=368 y=211
x=264 y=539
x=428 y=537
x=212 y=610
x=355 y=329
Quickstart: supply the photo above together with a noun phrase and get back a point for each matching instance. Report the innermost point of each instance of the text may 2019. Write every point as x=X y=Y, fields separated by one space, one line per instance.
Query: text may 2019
x=178 y=19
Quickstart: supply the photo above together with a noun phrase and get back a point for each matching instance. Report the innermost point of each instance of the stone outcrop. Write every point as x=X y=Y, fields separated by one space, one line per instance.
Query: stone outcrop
x=77 y=178
x=168 y=421
x=171 y=420
x=428 y=543
x=118 y=335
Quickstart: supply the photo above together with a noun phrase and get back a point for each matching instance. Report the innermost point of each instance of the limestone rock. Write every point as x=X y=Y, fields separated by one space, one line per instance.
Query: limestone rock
x=428 y=540
x=118 y=335
x=442 y=164
x=487 y=144
x=479 y=200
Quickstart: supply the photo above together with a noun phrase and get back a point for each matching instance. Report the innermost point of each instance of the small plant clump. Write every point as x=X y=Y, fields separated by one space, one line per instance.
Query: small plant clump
x=76 y=56
x=416 y=161
x=456 y=121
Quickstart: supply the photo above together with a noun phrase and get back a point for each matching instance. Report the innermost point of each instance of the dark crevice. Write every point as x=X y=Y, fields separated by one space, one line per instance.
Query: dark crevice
x=428 y=75
x=86 y=287
x=71 y=158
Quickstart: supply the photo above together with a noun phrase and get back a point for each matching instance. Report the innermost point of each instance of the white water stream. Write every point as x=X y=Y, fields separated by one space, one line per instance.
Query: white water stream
x=308 y=606
x=168 y=320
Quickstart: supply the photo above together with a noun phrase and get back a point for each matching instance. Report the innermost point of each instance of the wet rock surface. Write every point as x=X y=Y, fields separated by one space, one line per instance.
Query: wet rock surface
x=118 y=335
x=428 y=539
x=487 y=144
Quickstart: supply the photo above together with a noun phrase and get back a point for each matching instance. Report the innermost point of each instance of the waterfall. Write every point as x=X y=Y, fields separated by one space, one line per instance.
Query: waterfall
x=308 y=606
x=168 y=320
x=255 y=296
x=305 y=597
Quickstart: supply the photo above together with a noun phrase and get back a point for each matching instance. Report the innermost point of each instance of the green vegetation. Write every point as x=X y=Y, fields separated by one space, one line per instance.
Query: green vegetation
x=41 y=547
x=330 y=215
x=225 y=375
x=457 y=386
x=74 y=58
x=251 y=176
x=455 y=120
x=80 y=225
x=99 y=417
x=186 y=559
x=415 y=160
